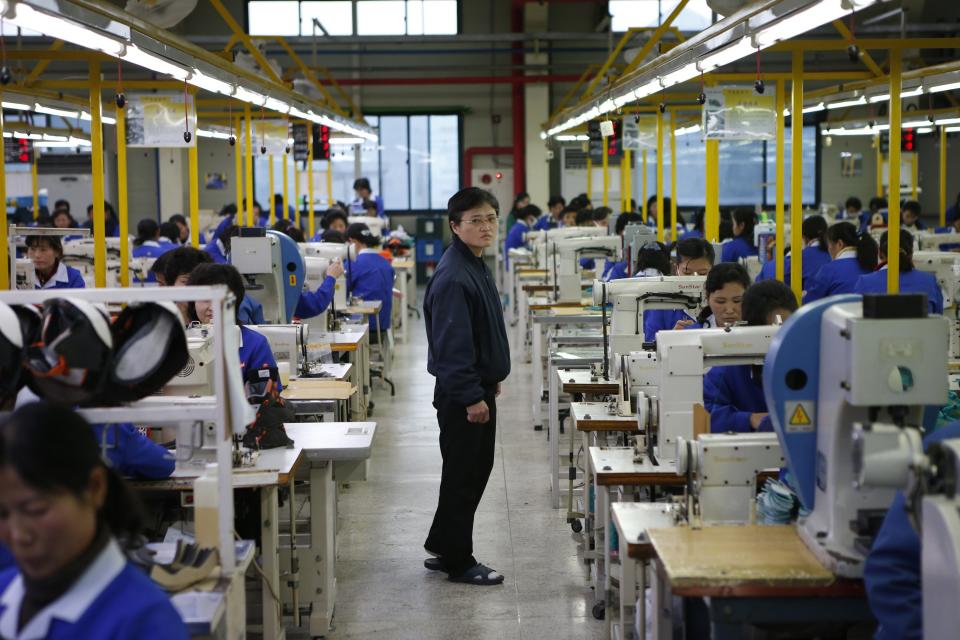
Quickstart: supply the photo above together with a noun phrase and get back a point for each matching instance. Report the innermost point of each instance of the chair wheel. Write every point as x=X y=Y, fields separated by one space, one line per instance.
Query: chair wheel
x=599 y=610
x=577 y=526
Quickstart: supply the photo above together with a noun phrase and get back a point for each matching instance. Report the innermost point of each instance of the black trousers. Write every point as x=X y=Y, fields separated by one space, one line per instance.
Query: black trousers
x=467 y=449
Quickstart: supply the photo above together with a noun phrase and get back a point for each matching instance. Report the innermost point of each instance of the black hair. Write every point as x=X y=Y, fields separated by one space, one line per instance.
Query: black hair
x=523 y=195
x=853 y=202
x=652 y=199
x=467 y=199
x=361 y=183
x=361 y=233
x=331 y=215
x=229 y=233
x=569 y=209
x=695 y=249
x=51 y=241
x=170 y=230
x=724 y=229
x=913 y=207
x=698 y=217
x=555 y=200
x=147 y=229
x=292 y=230
x=877 y=203
x=227 y=210
x=63 y=212
x=864 y=243
x=178 y=218
x=601 y=213
x=906 y=249
x=25 y=446
x=579 y=202
x=159 y=266
x=531 y=210
x=331 y=235
x=369 y=204
x=182 y=261
x=61 y=204
x=584 y=216
x=815 y=228
x=765 y=297
x=211 y=273
x=624 y=219
x=719 y=276
x=748 y=218
x=653 y=255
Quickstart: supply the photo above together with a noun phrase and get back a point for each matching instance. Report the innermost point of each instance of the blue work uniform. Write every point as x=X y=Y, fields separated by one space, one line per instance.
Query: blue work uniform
x=256 y=358
x=111 y=600
x=736 y=249
x=152 y=249
x=250 y=311
x=216 y=250
x=614 y=270
x=133 y=454
x=371 y=278
x=892 y=571
x=813 y=258
x=64 y=278
x=588 y=263
x=222 y=226
x=111 y=228
x=731 y=394
x=313 y=303
x=514 y=239
x=657 y=320
x=545 y=222
x=837 y=276
x=913 y=281
x=693 y=233
x=356 y=207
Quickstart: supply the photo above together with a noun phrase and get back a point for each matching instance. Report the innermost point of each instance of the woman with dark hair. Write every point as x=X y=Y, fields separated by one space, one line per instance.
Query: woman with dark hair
x=63 y=516
x=46 y=253
x=742 y=245
x=653 y=259
x=814 y=254
x=183 y=229
x=694 y=257
x=724 y=288
x=147 y=243
x=519 y=202
x=616 y=270
x=911 y=279
x=697 y=231
x=852 y=255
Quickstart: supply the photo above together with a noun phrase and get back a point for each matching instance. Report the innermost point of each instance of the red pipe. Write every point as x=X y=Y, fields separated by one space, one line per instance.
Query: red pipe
x=460 y=80
x=519 y=140
x=479 y=151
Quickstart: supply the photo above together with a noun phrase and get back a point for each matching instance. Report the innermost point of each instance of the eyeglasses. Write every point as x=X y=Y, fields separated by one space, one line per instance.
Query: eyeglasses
x=488 y=221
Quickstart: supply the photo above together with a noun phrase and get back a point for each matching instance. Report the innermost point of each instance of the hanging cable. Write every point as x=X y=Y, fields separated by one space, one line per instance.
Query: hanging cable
x=758 y=85
x=5 y=75
x=233 y=137
x=263 y=138
x=702 y=96
x=187 y=136
x=120 y=97
x=853 y=51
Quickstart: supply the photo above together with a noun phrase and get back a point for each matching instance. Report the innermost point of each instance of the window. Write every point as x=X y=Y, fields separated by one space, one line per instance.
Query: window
x=625 y=14
x=373 y=17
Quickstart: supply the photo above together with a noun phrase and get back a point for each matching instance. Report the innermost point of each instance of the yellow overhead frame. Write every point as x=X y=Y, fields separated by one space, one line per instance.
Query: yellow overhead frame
x=193 y=166
x=286 y=186
x=96 y=170
x=876 y=144
x=122 y=205
x=796 y=176
x=643 y=182
x=273 y=213
x=673 y=170
x=247 y=41
x=4 y=249
x=624 y=39
x=655 y=38
x=943 y=176
x=893 y=202
x=781 y=209
x=606 y=174
x=660 y=213
x=248 y=167
x=311 y=76
x=238 y=168
x=865 y=57
x=627 y=180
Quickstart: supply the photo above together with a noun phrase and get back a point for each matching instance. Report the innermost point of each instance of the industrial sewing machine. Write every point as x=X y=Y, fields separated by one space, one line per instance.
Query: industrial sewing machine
x=273 y=271
x=317 y=257
x=838 y=363
x=288 y=343
x=928 y=241
x=636 y=236
x=537 y=240
x=565 y=255
x=945 y=266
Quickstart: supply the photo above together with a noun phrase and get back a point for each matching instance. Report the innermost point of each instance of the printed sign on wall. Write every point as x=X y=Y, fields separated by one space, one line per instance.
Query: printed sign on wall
x=739 y=113
x=160 y=119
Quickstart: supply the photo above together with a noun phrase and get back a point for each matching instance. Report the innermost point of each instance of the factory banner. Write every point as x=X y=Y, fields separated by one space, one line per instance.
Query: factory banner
x=160 y=120
x=739 y=113
x=640 y=132
x=270 y=137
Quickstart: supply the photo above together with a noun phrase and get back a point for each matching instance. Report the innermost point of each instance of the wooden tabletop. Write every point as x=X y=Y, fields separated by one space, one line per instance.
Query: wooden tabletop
x=634 y=519
x=533 y=288
x=404 y=263
x=614 y=467
x=339 y=340
x=318 y=389
x=274 y=467
x=542 y=303
x=583 y=381
x=524 y=272
x=744 y=561
x=593 y=416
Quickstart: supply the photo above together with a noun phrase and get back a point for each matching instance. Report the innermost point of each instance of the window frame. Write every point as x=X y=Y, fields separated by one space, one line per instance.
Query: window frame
x=459 y=20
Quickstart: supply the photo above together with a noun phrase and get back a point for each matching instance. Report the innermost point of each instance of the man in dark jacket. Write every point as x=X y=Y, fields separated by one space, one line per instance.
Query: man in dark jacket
x=469 y=356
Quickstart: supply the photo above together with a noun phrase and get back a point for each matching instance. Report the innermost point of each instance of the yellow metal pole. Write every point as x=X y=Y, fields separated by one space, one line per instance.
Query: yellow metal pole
x=914 y=176
x=589 y=178
x=712 y=214
x=193 y=166
x=781 y=145
x=876 y=142
x=627 y=179
x=286 y=187
x=4 y=249
x=329 y=183
x=96 y=168
x=296 y=194
x=34 y=186
x=273 y=213
x=606 y=174
x=643 y=184
x=622 y=177
x=122 y=208
x=310 y=221
x=248 y=166
x=660 y=212
x=673 y=170
x=893 y=203
x=796 y=176
x=238 y=168
x=943 y=176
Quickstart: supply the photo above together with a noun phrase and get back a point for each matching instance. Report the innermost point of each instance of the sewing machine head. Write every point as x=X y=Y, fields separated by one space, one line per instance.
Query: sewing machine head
x=196 y=379
x=564 y=260
x=840 y=362
x=288 y=342
x=538 y=240
x=273 y=271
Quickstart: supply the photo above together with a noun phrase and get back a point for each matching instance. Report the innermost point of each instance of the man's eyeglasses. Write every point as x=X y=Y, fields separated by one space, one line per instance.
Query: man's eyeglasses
x=487 y=221
x=684 y=270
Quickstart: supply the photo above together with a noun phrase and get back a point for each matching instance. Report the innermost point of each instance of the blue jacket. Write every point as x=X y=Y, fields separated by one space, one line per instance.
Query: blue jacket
x=313 y=303
x=731 y=394
x=813 y=259
x=545 y=221
x=892 y=571
x=256 y=357
x=514 y=239
x=64 y=278
x=588 y=263
x=913 y=281
x=467 y=348
x=833 y=278
x=152 y=249
x=693 y=233
x=657 y=320
x=133 y=454
x=614 y=270
x=221 y=227
x=250 y=311
x=215 y=249
x=736 y=249
x=371 y=278
x=111 y=228
x=111 y=600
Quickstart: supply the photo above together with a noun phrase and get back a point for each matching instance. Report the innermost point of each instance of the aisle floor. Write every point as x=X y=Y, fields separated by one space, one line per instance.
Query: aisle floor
x=385 y=592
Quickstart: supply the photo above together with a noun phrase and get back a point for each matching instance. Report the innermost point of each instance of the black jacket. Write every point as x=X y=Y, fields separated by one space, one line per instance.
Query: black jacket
x=468 y=349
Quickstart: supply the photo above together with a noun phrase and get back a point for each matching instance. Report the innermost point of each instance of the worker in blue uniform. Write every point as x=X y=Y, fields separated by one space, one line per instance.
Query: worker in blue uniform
x=147 y=243
x=852 y=210
x=63 y=512
x=526 y=217
x=912 y=280
x=910 y=216
x=814 y=254
x=584 y=218
x=734 y=394
x=552 y=218
x=313 y=303
x=361 y=187
x=111 y=224
x=616 y=269
x=370 y=275
x=333 y=220
x=852 y=255
x=697 y=230
x=892 y=570
x=724 y=288
x=183 y=228
x=694 y=257
x=742 y=245
x=133 y=454
x=46 y=254
x=878 y=209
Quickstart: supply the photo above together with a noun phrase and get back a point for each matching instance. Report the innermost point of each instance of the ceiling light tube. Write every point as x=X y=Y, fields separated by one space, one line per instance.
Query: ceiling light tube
x=648 y=89
x=25 y=16
x=343 y=141
x=953 y=129
x=208 y=83
x=800 y=22
x=141 y=58
x=925 y=130
x=915 y=123
x=52 y=138
x=944 y=121
x=814 y=108
x=39 y=108
x=950 y=86
x=847 y=103
x=625 y=98
x=607 y=106
x=684 y=73
x=726 y=55
x=15 y=106
x=682 y=131
x=276 y=105
x=245 y=95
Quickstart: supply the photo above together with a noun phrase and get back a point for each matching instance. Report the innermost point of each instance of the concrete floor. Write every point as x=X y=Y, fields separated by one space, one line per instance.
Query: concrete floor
x=384 y=591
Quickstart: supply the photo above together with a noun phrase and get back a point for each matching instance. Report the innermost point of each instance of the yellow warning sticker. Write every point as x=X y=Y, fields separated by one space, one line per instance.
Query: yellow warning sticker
x=293 y=280
x=800 y=416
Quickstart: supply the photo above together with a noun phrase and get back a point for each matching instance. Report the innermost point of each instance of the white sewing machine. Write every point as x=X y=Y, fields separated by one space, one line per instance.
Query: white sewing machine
x=928 y=241
x=537 y=240
x=375 y=224
x=636 y=236
x=273 y=271
x=26 y=275
x=564 y=261
x=945 y=266
x=288 y=343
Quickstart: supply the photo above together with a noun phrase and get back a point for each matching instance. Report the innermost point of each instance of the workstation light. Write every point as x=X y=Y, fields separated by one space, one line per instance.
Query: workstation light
x=648 y=89
x=953 y=129
x=245 y=95
x=726 y=55
x=573 y=138
x=51 y=111
x=624 y=98
x=276 y=105
x=209 y=133
x=135 y=55
x=684 y=73
x=800 y=22
x=910 y=124
x=847 y=103
x=949 y=86
x=15 y=106
x=607 y=106
x=26 y=17
x=944 y=121
x=209 y=83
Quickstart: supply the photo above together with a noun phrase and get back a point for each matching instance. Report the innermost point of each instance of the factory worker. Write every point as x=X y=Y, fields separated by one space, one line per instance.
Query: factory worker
x=694 y=257
x=361 y=187
x=614 y=270
x=46 y=254
x=852 y=255
x=742 y=245
x=551 y=219
x=910 y=214
x=912 y=280
x=313 y=303
x=526 y=217
x=183 y=230
x=724 y=288
x=734 y=394
x=815 y=253
x=147 y=243
x=249 y=311
x=333 y=220
x=63 y=515
x=370 y=275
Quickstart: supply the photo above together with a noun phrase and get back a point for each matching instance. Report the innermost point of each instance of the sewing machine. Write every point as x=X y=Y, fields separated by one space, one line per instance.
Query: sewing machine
x=26 y=277
x=375 y=224
x=273 y=271
x=837 y=363
x=288 y=343
x=721 y=471
x=537 y=240
x=634 y=237
x=928 y=241
x=565 y=256
x=945 y=266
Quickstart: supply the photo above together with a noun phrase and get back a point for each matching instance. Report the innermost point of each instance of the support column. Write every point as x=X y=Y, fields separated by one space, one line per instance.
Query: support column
x=122 y=205
x=660 y=212
x=96 y=169
x=796 y=176
x=781 y=209
x=893 y=202
x=536 y=110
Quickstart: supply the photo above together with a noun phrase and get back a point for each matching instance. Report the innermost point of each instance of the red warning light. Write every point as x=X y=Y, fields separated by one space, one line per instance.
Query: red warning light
x=908 y=140
x=499 y=175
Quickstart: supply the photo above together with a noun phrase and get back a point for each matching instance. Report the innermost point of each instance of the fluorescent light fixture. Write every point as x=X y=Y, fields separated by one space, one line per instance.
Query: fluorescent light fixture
x=847 y=103
x=573 y=138
x=607 y=106
x=925 y=130
x=814 y=108
x=683 y=131
x=953 y=129
x=245 y=95
x=911 y=124
x=950 y=86
x=885 y=97
x=209 y=83
x=943 y=121
x=726 y=55
x=625 y=98
x=684 y=73
x=276 y=105
x=299 y=113
x=648 y=89
x=344 y=141
x=209 y=133
x=52 y=138
x=139 y=57
x=543 y=135
x=55 y=144
x=52 y=25
x=800 y=22
x=103 y=119
x=79 y=142
x=39 y=108
x=15 y=106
